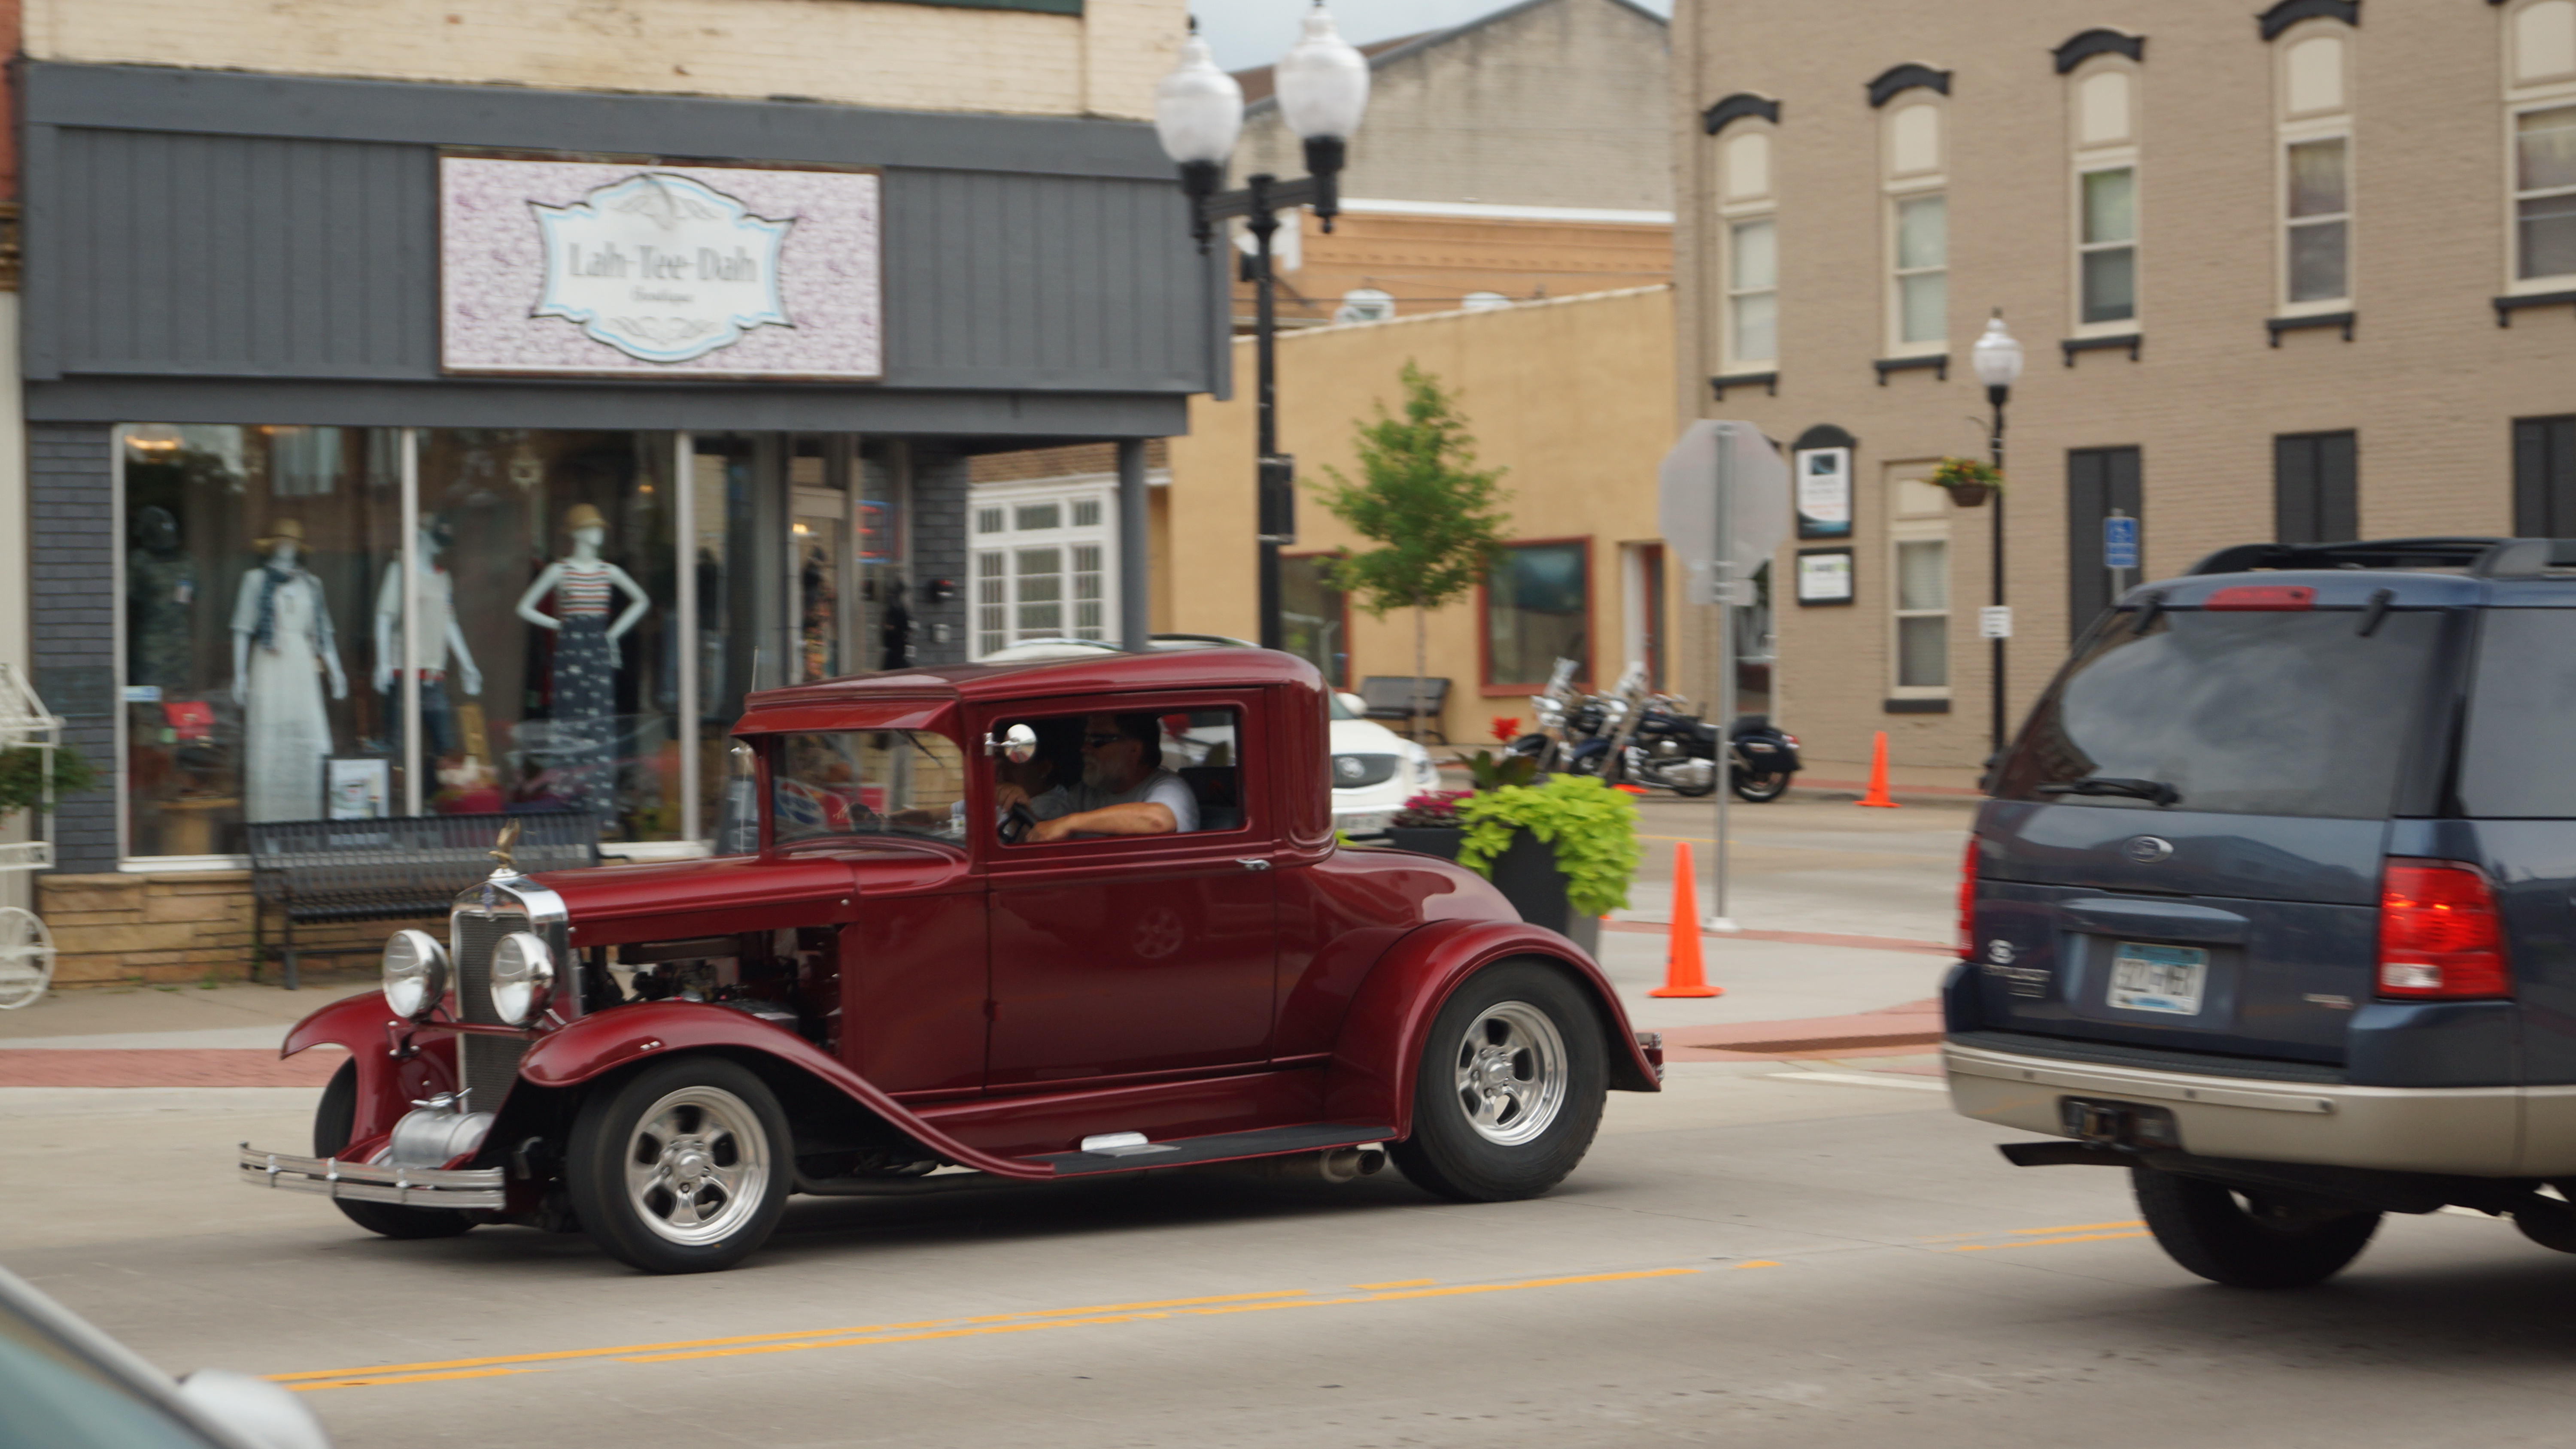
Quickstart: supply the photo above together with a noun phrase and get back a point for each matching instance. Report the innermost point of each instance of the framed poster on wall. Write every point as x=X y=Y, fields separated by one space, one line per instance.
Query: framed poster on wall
x=1824 y=490
x=1824 y=576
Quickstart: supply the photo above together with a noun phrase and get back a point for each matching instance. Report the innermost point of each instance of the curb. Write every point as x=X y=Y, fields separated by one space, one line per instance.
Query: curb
x=1915 y=1025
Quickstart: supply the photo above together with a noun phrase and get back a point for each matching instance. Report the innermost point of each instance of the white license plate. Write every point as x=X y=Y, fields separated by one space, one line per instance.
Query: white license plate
x=1365 y=824
x=2158 y=978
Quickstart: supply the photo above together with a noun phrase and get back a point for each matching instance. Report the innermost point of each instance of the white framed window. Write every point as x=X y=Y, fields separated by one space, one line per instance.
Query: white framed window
x=1919 y=602
x=2102 y=100
x=1918 y=229
x=1043 y=556
x=2540 y=145
x=1749 y=232
x=2313 y=91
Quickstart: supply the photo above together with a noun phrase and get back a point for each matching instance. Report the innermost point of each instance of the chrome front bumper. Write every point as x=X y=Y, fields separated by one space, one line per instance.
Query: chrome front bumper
x=423 y=1187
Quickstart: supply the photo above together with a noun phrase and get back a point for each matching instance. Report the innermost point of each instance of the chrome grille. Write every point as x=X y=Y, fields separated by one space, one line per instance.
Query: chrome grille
x=485 y=1065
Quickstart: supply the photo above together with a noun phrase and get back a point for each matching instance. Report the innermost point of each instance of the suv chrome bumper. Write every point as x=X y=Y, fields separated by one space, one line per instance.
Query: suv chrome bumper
x=425 y=1187
x=2474 y=1131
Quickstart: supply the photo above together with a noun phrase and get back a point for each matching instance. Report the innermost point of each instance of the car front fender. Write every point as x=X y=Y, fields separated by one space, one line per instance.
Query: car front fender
x=1381 y=1042
x=594 y=1045
x=395 y=1067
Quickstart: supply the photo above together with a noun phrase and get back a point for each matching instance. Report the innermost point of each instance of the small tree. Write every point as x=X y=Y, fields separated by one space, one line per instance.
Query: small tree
x=1432 y=512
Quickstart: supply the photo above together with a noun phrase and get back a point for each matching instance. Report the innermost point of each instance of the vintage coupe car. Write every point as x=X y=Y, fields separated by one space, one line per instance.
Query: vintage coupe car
x=899 y=985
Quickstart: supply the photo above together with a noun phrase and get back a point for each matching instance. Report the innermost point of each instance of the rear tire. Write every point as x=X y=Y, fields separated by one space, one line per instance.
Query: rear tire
x=1510 y=1086
x=2246 y=1240
x=1761 y=789
x=683 y=1167
x=332 y=1122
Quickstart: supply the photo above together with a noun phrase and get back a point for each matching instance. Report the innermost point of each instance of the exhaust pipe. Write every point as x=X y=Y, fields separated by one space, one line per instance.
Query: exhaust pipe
x=1336 y=1164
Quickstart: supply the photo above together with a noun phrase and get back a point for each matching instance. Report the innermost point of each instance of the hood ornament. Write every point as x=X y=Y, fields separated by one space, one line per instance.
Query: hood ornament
x=500 y=850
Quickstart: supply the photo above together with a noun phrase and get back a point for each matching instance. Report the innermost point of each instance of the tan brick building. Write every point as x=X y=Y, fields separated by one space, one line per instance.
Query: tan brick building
x=2305 y=273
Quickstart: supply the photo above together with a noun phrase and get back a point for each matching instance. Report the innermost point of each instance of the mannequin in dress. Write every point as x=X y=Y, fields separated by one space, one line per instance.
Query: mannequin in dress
x=439 y=639
x=282 y=646
x=585 y=664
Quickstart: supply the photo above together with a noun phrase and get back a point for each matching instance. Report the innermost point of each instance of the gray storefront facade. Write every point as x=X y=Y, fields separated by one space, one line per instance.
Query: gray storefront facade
x=297 y=549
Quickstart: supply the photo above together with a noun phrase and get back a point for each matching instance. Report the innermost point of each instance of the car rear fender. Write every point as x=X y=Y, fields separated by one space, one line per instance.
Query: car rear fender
x=1382 y=1038
x=395 y=1069
x=611 y=1041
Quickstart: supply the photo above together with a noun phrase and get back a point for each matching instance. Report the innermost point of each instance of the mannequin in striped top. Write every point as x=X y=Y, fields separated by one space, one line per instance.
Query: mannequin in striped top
x=582 y=726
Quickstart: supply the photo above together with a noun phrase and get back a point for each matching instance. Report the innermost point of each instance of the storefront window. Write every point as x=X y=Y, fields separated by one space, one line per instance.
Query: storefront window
x=1537 y=611
x=1314 y=616
x=252 y=658
x=562 y=586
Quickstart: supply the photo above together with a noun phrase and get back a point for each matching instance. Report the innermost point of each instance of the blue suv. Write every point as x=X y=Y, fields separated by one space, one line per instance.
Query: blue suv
x=2271 y=904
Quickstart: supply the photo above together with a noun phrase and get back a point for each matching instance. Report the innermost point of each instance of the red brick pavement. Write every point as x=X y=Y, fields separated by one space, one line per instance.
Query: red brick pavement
x=178 y=1067
x=1897 y=1030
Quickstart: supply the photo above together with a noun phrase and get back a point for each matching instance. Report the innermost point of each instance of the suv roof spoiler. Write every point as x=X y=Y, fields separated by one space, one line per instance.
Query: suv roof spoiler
x=2492 y=558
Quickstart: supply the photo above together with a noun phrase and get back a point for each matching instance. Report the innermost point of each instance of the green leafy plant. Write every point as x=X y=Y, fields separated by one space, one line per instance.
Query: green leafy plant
x=22 y=776
x=1593 y=827
x=1494 y=772
x=1427 y=505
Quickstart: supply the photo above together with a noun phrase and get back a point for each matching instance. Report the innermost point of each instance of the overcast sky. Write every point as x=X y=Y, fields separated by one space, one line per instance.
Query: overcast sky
x=1247 y=33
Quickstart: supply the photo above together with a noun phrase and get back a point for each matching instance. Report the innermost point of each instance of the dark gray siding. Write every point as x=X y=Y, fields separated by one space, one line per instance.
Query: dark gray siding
x=939 y=498
x=279 y=235
x=70 y=552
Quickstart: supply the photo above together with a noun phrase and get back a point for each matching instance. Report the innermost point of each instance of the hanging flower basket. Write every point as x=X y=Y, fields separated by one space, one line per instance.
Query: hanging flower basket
x=1968 y=482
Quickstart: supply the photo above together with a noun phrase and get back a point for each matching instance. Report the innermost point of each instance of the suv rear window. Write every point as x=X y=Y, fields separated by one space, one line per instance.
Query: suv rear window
x=2519 y=760
x=2240 y=713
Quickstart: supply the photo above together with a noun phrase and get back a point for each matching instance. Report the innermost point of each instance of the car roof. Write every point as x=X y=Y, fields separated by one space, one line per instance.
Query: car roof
x=2438 y=572
x=1105 y=672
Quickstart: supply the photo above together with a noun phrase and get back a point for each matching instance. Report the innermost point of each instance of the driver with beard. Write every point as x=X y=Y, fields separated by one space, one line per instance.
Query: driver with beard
x=1124 y=789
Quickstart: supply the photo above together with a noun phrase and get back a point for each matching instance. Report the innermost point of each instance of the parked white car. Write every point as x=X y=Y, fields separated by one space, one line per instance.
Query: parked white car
x=1375 y=770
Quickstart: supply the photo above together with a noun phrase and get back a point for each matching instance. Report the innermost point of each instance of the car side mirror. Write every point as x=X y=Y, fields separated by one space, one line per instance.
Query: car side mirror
x=1352 y=702
x=1018 y=744
x=256 y=1410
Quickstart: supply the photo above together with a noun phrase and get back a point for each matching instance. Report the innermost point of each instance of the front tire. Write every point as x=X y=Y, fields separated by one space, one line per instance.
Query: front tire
x=2248 y=1240
x=332 y=1122
x=1510 y=1087
x=1761 y=789
x=682 y=1168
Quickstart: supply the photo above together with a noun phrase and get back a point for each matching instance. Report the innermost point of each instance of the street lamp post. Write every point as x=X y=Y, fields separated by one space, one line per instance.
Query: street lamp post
x=1998 y=361
x=1198 y=111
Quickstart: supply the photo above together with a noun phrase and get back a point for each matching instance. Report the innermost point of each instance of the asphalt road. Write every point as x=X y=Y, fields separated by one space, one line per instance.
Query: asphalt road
x=1808 y=1253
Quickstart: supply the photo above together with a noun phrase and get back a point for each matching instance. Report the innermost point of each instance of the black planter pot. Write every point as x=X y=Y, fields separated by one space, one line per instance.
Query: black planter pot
x=1439 y=840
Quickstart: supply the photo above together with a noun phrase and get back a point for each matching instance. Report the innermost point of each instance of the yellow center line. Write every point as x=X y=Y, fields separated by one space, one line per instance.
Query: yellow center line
x=2042 y=1242
x=2077 y=1228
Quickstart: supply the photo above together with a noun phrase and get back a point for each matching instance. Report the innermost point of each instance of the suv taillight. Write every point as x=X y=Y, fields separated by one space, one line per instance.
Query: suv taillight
x=1968 y=903
x=2439 y=936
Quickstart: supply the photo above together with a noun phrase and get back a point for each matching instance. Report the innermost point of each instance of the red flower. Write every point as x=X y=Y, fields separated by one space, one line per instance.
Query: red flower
x=1507 y=728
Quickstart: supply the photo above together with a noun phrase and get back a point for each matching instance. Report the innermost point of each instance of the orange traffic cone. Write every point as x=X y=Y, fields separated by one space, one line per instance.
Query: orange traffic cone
x=1878 y=795
x=1682 y=973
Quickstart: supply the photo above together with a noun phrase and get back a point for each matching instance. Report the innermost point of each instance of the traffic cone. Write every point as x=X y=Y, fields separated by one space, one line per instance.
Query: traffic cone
x=1878 y=795
x=1682 y=973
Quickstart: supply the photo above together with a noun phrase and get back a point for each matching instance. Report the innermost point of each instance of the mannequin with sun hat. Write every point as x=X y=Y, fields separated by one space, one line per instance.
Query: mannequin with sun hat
x=283 y=647
x=584 y=685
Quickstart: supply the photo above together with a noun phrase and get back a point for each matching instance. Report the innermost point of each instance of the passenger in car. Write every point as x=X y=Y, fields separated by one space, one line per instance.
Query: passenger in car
x=1124 y=789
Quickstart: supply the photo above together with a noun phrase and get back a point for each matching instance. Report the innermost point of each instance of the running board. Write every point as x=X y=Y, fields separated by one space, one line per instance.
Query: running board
x=1223 y=1147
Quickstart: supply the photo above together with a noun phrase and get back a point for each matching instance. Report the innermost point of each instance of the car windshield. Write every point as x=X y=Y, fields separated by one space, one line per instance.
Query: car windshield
x=59 y=1399
x=866 y=782
x=2251 y=713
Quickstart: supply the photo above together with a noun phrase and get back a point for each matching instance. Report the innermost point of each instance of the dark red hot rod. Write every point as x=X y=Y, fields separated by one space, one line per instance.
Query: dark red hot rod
x=978 y=924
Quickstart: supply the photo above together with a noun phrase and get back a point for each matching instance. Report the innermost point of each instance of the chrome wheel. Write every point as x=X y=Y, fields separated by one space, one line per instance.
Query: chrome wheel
x=1511 y=1073
x=697 y=1165
x=26 y=958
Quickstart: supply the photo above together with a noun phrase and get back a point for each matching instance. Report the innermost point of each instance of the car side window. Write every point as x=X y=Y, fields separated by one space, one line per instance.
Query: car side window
x=867 y=782
x=1091 y=773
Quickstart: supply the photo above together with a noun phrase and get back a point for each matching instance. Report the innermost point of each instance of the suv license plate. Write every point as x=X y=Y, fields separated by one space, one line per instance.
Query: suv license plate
x=2158 y=978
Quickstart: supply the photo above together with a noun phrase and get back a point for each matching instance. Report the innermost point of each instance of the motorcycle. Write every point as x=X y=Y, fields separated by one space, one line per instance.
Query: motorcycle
x=1668 y=748
x=1563 y=719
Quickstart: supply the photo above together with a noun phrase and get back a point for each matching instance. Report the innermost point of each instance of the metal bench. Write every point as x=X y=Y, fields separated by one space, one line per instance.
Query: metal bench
x=1390 y=697
x=406 y=868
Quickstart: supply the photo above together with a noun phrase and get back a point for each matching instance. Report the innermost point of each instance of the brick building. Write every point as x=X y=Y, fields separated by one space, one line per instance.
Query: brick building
x=2302 y=273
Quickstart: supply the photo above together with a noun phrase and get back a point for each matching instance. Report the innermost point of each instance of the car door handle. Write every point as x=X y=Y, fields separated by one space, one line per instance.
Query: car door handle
x=1252 y=862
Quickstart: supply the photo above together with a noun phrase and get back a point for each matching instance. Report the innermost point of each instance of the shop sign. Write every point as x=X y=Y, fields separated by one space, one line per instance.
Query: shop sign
x=1824 y=492
x=1824 y=576
x=561 y=267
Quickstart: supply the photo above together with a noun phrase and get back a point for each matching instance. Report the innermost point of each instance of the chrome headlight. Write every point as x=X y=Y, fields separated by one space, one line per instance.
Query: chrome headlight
x=523 y=977
x=415 y=973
